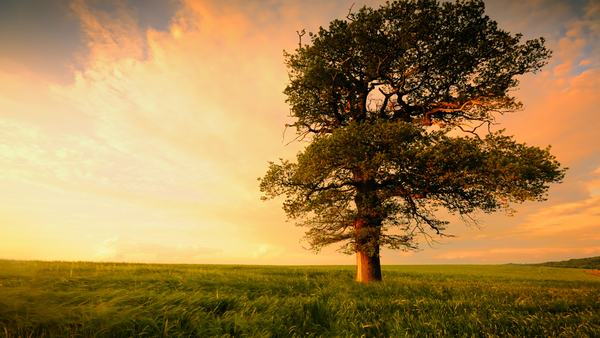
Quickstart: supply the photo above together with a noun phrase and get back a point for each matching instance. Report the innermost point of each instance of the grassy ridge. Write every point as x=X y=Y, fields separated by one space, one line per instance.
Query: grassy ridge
x=80 y=299
x=581 y=263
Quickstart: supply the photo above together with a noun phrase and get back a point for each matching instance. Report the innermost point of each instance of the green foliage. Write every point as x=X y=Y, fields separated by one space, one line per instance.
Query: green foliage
x=383 y=98
x=82 y=299
x=412 y=173
x=409 y=60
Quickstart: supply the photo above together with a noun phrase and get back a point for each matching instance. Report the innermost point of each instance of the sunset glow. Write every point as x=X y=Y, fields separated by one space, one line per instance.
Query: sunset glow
x=135 y=131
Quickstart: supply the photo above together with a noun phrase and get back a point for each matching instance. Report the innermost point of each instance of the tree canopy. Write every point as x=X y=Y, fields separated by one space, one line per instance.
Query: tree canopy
x=392 y=102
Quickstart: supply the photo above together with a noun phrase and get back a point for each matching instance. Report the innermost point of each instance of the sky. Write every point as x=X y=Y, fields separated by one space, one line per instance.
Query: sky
x=135 y=130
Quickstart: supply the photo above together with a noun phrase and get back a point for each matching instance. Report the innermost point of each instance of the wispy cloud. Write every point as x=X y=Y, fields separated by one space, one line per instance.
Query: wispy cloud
x=570 y=218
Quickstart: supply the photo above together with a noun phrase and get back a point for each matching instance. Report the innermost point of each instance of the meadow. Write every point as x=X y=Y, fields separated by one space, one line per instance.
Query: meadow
x=84 y=299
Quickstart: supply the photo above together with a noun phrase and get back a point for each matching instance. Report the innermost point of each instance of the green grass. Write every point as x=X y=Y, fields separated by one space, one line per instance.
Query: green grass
x=81 y=299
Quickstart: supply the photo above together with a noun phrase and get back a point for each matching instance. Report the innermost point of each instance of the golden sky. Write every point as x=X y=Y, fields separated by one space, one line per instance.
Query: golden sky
x=135 y=131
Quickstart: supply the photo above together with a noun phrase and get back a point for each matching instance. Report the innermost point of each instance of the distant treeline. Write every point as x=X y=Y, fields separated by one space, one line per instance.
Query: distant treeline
x=581 y=263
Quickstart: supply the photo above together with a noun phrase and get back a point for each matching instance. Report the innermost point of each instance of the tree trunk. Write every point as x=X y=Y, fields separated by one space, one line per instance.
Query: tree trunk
x=368 y=268
x=367 y=229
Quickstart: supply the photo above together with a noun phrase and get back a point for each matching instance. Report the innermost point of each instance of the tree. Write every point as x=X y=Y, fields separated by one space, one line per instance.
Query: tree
x=392 y=102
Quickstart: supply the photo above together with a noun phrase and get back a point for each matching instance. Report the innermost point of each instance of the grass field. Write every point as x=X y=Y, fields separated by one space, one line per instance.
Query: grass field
x=82 y=299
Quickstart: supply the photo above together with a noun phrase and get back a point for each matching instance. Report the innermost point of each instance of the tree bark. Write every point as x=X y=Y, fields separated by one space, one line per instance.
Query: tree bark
x=367 y=230
x=368 y=268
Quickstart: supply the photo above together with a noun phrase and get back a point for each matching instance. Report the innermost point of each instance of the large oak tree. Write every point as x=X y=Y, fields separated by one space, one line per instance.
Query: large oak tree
x=396 y=104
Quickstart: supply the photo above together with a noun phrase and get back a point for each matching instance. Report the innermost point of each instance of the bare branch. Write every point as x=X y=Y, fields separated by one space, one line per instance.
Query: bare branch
x=350 y=12
x=300 y=35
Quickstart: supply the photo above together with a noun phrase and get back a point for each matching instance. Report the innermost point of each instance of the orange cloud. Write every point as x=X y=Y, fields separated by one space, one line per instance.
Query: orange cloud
x=568 y=220
x=570 y=52
x=109 y=36
x=560 y=112
x=568 y=217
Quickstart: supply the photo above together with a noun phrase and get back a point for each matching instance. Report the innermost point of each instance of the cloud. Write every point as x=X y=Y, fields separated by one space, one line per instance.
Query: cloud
x=161 y=130
x=561 y=112
x=570 y=220
x=534 y=18
x=594 y=186
x=109 y=35
x=125 y=249
x=560 y=102
x=579 y=48
x=27 y=152
x=575 y=219
x=186 y=107
x=571 y=52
